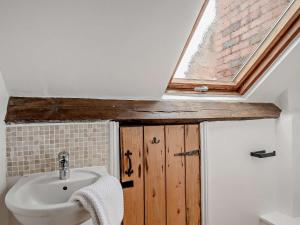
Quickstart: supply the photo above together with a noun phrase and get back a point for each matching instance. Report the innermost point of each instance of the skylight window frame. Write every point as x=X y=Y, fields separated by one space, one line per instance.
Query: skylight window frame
x=285 y=30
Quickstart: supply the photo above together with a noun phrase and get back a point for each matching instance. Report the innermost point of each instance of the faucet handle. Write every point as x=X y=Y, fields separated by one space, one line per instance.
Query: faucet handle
x=63 y=154
x=63 y=159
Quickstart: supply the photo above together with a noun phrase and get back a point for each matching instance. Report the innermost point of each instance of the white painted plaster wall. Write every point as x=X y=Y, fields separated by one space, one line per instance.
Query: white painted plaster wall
x=240 y=187
x=3 y=104
x=296 y=164
x=285 y=156
x=281 y=85
x=288 y=131
x=287 y=211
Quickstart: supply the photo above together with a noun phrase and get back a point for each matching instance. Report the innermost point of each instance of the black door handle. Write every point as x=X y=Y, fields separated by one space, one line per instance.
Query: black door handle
x=129 y=171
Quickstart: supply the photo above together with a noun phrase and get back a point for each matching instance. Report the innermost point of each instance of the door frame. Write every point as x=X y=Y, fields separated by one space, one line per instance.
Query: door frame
x=204 y=173
x=114 y=149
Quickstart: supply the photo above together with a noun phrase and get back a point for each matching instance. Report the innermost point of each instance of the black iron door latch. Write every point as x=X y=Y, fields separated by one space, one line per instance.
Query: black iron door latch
x=129 y=171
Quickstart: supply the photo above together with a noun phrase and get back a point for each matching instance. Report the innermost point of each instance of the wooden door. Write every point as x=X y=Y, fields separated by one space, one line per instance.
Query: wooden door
x=166 y=175
x=155 y=185
x=131 y=141
x=192 y=175
x=175 y=175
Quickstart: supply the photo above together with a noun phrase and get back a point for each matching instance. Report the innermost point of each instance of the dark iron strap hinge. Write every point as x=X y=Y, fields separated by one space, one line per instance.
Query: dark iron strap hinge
x=190 y=153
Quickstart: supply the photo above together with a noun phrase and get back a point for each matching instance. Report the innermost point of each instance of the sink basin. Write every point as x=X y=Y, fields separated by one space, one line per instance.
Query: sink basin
x=43 y=198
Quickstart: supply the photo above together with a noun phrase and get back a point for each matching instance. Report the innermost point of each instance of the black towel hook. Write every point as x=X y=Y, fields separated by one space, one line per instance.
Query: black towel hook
x=263 y=154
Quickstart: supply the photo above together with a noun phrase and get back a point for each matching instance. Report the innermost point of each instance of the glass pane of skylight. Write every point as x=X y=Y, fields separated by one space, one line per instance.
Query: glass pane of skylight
x=227 y=34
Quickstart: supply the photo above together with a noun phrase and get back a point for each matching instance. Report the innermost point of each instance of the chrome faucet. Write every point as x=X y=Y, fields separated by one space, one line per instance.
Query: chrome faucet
x=63 y=161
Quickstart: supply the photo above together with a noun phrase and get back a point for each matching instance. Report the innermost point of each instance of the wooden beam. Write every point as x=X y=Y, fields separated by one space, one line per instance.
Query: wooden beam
x=28 y=110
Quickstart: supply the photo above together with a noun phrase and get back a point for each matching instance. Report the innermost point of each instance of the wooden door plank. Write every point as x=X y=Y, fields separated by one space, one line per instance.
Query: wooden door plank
x=192 y=170
x=131 y=138
x=175 y=175
x=155 y=202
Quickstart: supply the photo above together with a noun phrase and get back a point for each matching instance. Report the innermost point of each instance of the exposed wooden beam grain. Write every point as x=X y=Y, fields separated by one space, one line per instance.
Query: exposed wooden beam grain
x=27 y=110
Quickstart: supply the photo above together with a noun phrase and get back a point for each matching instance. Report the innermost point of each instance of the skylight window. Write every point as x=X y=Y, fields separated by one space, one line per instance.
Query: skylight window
x=227 y=36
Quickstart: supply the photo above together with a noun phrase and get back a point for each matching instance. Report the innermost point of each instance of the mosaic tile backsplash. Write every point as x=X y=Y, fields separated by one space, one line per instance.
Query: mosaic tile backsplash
x=34 y=148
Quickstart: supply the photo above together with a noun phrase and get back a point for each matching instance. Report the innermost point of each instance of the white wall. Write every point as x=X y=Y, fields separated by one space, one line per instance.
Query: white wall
x=280 y=85
x=285 y=187
x=3 y=104
x=296 y=165
x=240 y=187
x=288 y=131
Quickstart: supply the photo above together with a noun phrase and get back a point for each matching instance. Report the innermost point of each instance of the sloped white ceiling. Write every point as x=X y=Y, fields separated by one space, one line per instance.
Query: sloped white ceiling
x=92 y=48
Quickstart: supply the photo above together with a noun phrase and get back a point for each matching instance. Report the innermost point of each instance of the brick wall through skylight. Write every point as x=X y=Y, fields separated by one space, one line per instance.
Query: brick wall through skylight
x=228 y=32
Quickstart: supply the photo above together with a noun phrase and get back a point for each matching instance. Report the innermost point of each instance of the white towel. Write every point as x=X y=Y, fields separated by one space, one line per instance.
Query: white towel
x=103 y=200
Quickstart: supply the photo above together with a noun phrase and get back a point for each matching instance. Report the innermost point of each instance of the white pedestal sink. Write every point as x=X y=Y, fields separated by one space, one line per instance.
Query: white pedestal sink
x=42 y=199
